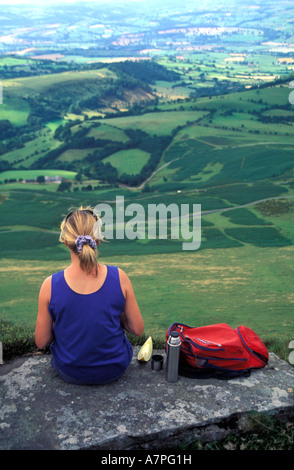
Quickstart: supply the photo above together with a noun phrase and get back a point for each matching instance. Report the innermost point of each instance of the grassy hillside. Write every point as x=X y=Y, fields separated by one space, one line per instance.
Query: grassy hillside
x=230 y=278
x=244 y=137
x=231 y=153
x=212 y=139
x=128 y=161
x=211 y=286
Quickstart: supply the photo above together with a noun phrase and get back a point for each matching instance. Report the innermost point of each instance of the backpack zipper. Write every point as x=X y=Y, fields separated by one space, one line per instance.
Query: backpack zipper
x=248 y=347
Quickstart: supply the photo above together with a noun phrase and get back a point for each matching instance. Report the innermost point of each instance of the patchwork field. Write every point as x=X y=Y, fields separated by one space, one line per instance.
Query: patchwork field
x=128 y=161
x=162 y=123
x=231 y=151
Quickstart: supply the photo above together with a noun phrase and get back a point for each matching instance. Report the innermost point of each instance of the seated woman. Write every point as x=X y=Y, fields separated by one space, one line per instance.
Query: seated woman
x=85 y=308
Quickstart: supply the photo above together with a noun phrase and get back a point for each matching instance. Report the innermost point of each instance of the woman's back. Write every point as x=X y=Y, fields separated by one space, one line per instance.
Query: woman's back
x=84 y=309
x=83 y=283
x=90 y=344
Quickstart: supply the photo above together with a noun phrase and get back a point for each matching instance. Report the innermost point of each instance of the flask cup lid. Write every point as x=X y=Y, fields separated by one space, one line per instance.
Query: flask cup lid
x=175 y=334
x=174 y=339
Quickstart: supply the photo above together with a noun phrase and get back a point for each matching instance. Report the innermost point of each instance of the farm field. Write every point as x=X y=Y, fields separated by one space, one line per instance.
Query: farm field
x=26 y=85
x=246 y=127
x=131 y=160
x=156 y=123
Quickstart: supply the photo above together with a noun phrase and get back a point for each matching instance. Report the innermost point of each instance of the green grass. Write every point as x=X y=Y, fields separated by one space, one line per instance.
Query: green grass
x=232 y=285
x=71 y=155
x=264 y=432
x=108 y=132
x=230 y=278
x=244 y=217
x=241 y=162
x=16 y=110
x=128 y=161
x=18 y=87
x=156 y=123
x=32 y=150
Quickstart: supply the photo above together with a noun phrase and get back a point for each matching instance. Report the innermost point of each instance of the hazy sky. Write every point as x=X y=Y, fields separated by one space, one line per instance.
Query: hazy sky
x=50 y=2
x=45 y=2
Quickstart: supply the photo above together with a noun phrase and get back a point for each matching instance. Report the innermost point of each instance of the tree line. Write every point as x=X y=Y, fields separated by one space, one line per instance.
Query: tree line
x=93 y=165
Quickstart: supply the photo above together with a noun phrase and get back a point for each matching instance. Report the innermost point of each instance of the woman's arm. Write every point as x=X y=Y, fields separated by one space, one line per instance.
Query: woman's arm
x=131 y=318
x=44 y=325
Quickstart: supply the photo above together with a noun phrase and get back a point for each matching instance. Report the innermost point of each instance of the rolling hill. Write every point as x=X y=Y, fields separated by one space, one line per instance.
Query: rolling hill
x=108 y=132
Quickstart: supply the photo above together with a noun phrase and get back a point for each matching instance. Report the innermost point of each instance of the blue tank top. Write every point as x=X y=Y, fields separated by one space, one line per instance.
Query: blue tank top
x=89 y=343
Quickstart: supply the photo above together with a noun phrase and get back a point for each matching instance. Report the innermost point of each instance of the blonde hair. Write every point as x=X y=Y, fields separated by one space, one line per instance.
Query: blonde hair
x=81 y=222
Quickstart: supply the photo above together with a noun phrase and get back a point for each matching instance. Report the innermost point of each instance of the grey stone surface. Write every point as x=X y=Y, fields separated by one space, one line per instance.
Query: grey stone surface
x=38 y=411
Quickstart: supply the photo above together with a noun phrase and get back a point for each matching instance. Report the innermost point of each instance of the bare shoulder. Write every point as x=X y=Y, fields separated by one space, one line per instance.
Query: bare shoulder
x=124 y=280
x=45 y=289
x=47 y=282
x=122 y=274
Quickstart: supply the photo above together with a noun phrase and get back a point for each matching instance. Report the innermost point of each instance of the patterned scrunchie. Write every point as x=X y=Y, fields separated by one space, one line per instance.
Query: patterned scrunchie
x=84 y=239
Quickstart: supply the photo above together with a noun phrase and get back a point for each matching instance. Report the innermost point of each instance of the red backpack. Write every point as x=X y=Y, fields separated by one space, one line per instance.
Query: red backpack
x=219 y=351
